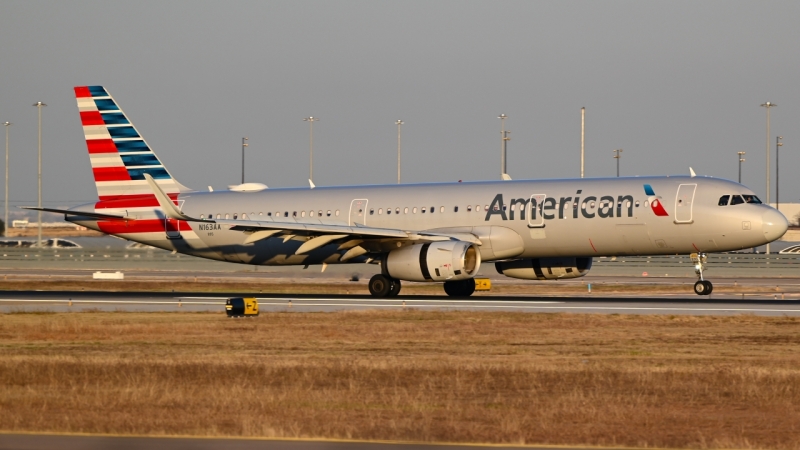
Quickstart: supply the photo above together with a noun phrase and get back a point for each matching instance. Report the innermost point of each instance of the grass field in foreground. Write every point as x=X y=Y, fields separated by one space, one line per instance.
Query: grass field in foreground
x=672 y=381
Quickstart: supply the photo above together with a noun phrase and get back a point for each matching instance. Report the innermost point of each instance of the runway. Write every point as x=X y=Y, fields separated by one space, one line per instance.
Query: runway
x=763 y=305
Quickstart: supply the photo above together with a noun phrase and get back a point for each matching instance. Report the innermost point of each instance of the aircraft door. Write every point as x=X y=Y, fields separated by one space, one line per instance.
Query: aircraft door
x=683 y=203
x=358 y=212
x=535 y=219
x=171 y=226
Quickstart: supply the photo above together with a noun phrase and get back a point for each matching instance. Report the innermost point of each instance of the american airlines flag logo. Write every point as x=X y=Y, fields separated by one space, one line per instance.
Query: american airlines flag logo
x=655 y=201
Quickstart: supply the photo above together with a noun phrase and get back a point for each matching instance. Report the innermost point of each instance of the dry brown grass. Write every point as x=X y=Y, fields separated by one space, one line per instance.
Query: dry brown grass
x=674 y=381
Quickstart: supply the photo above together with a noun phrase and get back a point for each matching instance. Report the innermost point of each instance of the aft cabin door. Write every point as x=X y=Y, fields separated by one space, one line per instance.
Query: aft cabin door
x=683 y=203
x=172 y=226
x=358 y=212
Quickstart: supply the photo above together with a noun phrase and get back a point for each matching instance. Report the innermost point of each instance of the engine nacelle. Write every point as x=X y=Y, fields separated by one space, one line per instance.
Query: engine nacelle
x=436 y=261
x=545 y=268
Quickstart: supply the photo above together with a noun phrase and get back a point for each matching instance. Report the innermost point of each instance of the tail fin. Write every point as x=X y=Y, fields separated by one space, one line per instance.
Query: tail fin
x=119 y=155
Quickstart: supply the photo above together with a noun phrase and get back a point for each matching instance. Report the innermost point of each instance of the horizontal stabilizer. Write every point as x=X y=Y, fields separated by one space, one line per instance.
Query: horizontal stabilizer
x=75 y=213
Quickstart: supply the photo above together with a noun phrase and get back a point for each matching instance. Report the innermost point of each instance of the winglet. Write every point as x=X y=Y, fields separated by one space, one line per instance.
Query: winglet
x=170 y=210
x=506 y=177
x=691 y=172
x=311 y=183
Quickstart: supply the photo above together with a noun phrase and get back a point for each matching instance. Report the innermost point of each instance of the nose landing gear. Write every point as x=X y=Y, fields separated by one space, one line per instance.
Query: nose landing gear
x=702 y=287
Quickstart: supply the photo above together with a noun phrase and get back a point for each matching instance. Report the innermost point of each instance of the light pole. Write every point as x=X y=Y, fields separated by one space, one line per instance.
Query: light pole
x=244 y=144
x=768 y=105
x=583 y=135
x=778 y=145
x=39 y=106
x=618 y=156
x=741 y=160
x=311 y=120
x=5 y=216
x=503 y=144
x=399 y=123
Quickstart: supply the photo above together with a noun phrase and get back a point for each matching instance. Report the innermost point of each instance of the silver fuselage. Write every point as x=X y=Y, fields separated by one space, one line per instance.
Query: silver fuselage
x=510 y=219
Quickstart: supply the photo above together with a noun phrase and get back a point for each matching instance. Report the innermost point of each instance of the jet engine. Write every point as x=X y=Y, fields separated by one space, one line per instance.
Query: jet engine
x=545 y=268
x=436 y=261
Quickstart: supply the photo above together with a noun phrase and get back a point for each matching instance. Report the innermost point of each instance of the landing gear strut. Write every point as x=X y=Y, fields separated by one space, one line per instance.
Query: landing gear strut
x=382 y=286
x=702 y=287
x=461 y=288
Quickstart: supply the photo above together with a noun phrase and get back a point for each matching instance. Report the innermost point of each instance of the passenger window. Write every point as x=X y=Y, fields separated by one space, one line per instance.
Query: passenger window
x=455 y=209
x=380 y=211
x=441 y=209
x=201 y=216
x=723 y=201
x=227 y=216
x=329 y=213
x=269 y=214
x=302 y=213
x=737 y=200
x=433 y=208
x=405 y=210
x=311 y=213
x=423 y=210
x=260 y=213
x=286 y=214
x=397 y=210
x=486 y=208
x=414 y=210
x=637 y=203
x=218 y=216
x=469 y=208
x=320 y=213
x=371 y=211
x=388 y=210
x=294 y=214
x=337 y=213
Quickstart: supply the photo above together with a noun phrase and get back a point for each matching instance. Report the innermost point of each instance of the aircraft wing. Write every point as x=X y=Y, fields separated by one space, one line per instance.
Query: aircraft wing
x=321 y=234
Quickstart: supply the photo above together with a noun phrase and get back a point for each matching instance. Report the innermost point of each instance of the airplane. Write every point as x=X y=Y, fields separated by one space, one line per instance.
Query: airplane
x=430 y=232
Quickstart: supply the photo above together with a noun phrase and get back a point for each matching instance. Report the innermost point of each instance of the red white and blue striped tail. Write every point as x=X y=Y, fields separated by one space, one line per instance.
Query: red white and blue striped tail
x=120 y=157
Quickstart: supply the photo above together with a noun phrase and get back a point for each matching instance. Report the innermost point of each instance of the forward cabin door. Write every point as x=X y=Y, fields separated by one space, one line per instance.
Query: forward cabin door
x=358 y=212
x=172 y=226
x=683 y=203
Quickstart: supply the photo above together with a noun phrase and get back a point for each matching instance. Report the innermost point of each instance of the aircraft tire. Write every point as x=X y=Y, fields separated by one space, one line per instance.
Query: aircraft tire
x=701 y=288
x=710 y=287
x=461 y=288
x=395 y=290
x=380 y=286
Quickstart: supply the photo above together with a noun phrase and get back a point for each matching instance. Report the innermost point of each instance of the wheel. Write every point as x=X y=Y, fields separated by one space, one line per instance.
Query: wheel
x=709 y=287
x=395 y=288
x=379 y=286
x=461 y=288
x=468 y=287
x=701 y=288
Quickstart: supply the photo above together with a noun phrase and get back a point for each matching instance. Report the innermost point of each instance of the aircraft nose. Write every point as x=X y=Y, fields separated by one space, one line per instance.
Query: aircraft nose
x=774 y=225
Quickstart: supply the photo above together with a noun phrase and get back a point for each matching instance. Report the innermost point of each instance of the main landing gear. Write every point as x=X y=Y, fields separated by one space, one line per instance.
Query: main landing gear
x=382 y=286
x=702 y=287
x=461 y=288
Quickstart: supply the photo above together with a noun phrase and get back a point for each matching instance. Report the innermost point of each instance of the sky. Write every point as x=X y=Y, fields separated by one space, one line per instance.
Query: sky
x=675 y=84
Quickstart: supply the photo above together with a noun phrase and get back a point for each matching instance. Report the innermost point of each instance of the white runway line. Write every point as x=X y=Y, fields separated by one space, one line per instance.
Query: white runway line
x=119 y=302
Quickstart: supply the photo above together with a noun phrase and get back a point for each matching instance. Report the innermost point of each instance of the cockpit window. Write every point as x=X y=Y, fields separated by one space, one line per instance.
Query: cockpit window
x=749 y=198
x=723 y=201
x=737 y=200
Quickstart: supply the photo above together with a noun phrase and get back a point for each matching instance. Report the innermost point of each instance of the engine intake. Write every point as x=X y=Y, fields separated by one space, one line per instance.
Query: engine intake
x=545 y=268
x=436 y=261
